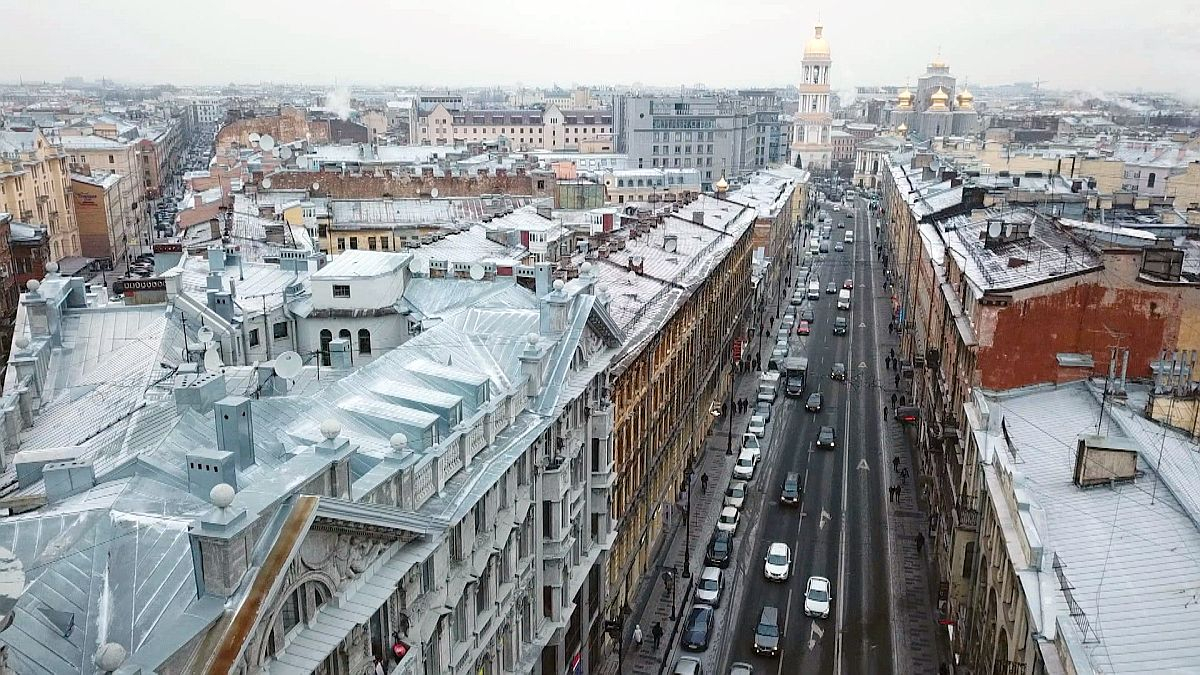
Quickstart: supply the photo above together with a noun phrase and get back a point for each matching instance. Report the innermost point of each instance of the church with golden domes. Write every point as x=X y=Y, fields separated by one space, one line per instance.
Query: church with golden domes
x=930 y=112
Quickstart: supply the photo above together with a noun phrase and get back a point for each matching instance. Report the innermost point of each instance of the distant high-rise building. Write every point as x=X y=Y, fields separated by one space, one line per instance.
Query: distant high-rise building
x=812 y=145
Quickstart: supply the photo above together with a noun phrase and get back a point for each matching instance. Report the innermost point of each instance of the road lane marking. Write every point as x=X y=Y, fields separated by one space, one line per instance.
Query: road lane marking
x=787 y=612
x=815 y=633
x=862 y=464
x=824 y=518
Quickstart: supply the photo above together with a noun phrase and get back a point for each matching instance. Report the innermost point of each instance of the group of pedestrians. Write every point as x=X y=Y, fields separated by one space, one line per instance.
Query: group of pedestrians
x=656 y=633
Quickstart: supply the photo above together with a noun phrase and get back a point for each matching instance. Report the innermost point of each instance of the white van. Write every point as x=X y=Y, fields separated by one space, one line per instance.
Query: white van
x=849 y=236
x=843 y=299
x=814 y=290
x=814 y=247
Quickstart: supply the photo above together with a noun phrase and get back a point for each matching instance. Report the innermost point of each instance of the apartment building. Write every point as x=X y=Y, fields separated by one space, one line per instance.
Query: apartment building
x=93 y=154
x=105 y=231
x=35 y=187
x=553 y=128
x=441 y=509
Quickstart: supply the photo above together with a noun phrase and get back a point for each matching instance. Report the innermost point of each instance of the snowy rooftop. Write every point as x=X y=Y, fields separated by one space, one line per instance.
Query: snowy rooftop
x=458 y=210
x=356 y=264
x=1129 y=550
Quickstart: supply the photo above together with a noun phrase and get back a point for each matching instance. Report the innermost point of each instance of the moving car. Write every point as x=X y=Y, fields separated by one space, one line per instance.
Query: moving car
x=757 y=426
x=735 y=494
x=778 y=565
x=766 y=632
x=697 y=628
x=817 y=597
x=728 y=520
x=720 y=550
x=815 y=401
x=831 y=288
x=839 y=247
x=841 y=224
x=688 y=665
x=744 y=468
x=838 y=372
x=790 y=494
x=797 y=298
x=814 y=290
x=848 y=284
x=826 y=438
x=840 y=325
x=710 y=586
x=837 y=207
x=802 y=328
x=807 y=314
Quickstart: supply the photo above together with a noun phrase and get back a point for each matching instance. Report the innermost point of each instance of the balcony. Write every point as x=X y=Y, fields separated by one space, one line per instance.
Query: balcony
x=556 y=479
x=966 y=516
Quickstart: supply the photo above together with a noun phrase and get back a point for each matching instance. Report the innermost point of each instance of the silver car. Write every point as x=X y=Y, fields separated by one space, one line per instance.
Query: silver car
x=710 y=586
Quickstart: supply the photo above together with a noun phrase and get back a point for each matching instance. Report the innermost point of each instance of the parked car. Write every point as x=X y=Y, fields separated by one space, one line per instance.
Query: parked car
x=688 y=665
x=757 y=426
x=767 y=633
x=797 y=298
x=728 y=520
x=802 y=328
x=815 y=401
x=741 y=668
x=778 y=566
x=750 y=442
x=720 y=550
x=697 y=629
x=763 y=409
x=710 y=586
x=790 y=493
x=817 y=597
x=826 y=438
x=735 y=494
x=744 y=468
x=838 y=372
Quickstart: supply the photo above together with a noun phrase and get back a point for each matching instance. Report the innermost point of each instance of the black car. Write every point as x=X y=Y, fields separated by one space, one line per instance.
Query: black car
x=766 y=633
x=790 y=494
x=807 y=314
x=831 y=288
x=827 y=438
x=838 y=372
x=720 y=549
x=815 y=401
x=840 y=325
x=696 y=628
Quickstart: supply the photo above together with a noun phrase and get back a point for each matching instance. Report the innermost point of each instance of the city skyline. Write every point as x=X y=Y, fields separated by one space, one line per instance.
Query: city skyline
x=628 y=44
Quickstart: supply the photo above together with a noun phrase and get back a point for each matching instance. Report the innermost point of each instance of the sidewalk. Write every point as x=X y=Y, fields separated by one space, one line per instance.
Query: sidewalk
x=922 y=645
x=653 y=602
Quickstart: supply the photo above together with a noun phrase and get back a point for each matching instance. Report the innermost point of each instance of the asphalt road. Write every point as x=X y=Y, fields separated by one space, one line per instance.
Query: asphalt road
x=838 y=531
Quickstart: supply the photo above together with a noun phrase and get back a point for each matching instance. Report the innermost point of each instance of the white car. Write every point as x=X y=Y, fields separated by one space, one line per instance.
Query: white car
x=728 y=520
x=735 y=494
x=837 y=207
x=817 y=597
x=750 y=442
x=710 y=586
x=757 y=426
x=744 y=468
x=779 y=562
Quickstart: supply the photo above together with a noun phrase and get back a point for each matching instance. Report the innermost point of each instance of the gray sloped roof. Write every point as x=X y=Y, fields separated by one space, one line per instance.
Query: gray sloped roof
x=116 y=561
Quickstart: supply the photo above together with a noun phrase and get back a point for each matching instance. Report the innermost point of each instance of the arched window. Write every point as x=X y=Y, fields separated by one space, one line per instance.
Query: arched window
x=364 y=341
x=620 y=182
x=1150 y=180
x=344 y=334
x=326 y=338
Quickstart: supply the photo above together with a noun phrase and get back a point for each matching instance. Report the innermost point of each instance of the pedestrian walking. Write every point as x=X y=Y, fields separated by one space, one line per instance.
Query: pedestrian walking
x=637 y=635
x=891 y=327
x=656 y=632
x=897 y=380
x=891 y=352
x=896 y=463
x=892 y=493
x=887 y=362
x=904 y=474
x=724 y=408
x=885 y=413
x=920 y=542
x=704 y=482
x=902 y=404
x=893 y=399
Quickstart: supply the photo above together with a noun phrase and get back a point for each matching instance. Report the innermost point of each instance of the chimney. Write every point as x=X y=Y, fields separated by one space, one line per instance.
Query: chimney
x=533 y=365
x=542 y=278
x=221 y=302
x=207 y=469
x=698 y=217
x=197 y=201
x=339 y=353
x=552 y=309
x=545 y=212
x=1104 y=460
x=196 y=390
x=64 y=479
x=216 y=259
x=235 y=429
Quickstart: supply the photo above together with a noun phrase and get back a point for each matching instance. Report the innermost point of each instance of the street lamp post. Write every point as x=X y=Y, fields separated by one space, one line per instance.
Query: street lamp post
x=729 y=438
x=687 y=537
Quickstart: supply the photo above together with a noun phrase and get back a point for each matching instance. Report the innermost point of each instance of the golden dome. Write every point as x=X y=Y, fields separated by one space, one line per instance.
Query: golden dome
x=905 y=99
x=902 y=128
x=965 y=96
x=817 y=46
x=940 y=96
x=721 y=185
x=937 y=63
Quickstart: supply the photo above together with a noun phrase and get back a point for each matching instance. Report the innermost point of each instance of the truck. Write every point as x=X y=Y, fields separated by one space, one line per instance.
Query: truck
x=795 y=369
x=843 y=301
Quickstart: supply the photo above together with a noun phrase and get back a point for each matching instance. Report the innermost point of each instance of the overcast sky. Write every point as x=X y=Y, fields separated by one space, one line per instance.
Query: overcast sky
x=1094 y=45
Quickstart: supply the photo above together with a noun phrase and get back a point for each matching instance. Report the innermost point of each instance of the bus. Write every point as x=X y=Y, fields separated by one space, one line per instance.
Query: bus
x=796 y=369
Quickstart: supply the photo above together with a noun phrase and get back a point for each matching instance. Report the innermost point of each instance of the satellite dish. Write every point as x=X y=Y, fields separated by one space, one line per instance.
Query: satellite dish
x=316 y=186
x=285 y=152
x=994 y=229
x=267 y=183
x=671 y=245
x=253 y=137
x=433 y=193
x=212 y=358
x=274 y=152
x=288 y=365
x=204 y=334
x=477 y=271
x=266 y=142
x=419 y=265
